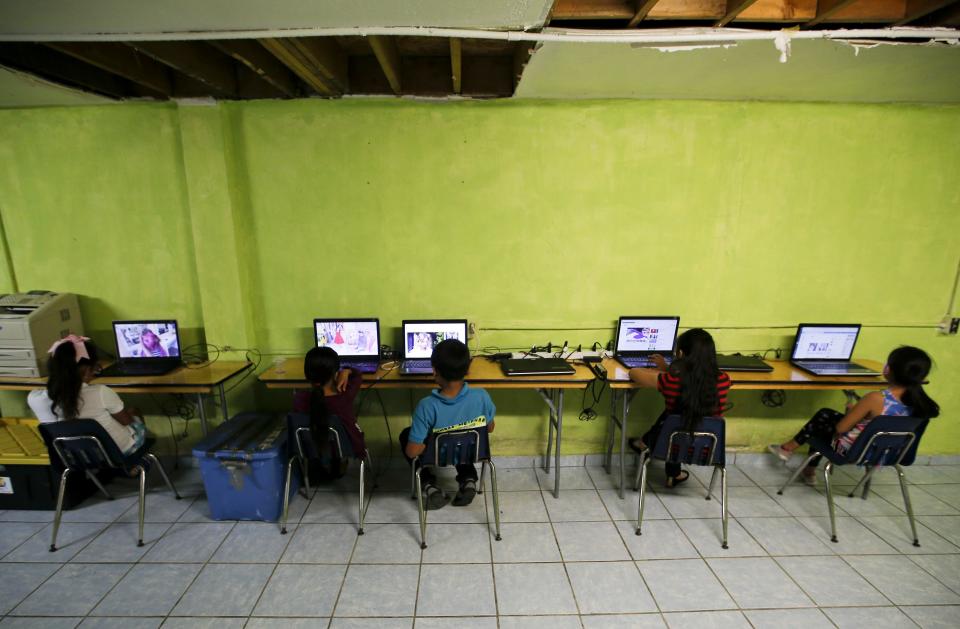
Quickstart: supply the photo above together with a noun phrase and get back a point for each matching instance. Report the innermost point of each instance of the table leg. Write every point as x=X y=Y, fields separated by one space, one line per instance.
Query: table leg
x=548 y=398
x=608 y=441
x=623 y=437
x=554 y=401
x=203 y=414
x=556 y=472
x=223 y=402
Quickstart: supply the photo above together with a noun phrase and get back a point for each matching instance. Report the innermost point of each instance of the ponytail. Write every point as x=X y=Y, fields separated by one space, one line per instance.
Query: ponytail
x=65 y=380
x=909 y=367
x=698 y=374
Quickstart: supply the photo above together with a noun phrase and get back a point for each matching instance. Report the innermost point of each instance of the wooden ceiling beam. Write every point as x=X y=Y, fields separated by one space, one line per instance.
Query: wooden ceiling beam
x=314 y=64
x=734 y=8
x=593 y=10
x=55 y=66
x=193 y=59
x=388 y=56
x=827 y=8
x=456 y=63
x=917 y=9
x=121 y=60
x=643 y=7
x=264 y=64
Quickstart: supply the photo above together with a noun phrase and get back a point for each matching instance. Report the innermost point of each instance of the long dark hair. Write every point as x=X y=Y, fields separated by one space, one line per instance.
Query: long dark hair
x=65 y=380
x=909 y=367
x=698 y=371
x=320 y=365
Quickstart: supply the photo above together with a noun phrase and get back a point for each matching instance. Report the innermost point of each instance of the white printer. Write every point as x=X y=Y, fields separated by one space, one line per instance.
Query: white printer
x=29 y=324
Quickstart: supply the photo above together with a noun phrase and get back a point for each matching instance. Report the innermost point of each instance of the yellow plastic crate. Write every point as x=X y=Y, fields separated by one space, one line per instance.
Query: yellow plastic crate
x=21 y=443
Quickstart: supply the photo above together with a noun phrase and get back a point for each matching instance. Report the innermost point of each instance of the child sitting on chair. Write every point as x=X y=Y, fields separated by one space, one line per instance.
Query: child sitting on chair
x=905 y=371
x=453 y=406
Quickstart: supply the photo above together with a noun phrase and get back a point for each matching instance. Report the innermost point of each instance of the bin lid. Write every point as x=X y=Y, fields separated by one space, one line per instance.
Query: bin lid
x=244 y=436
x=21 y=443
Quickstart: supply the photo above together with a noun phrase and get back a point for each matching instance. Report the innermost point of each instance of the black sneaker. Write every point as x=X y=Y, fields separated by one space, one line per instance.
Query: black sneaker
x=433 y=497
x=468 y=489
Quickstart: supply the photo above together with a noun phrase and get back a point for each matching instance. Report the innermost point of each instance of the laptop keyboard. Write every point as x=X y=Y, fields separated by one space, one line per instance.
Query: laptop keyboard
x=638 y=362
x=416 y=364
x=364 y=366
x=842 y=367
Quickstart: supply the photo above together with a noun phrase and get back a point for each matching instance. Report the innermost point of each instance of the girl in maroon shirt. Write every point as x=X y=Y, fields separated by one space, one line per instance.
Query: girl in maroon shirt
x=331 y=397
x=692 y=387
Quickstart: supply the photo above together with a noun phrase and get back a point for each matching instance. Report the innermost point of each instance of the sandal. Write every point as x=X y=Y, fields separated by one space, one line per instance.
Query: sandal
x=673 y=481
x=433 y=498
x=637 y=445
x=468 y=489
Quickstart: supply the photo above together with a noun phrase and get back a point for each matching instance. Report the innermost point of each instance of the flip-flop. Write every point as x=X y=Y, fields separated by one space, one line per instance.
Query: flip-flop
x=466 y=494
x=434 y=498
x=673 y=481
x=637 y=445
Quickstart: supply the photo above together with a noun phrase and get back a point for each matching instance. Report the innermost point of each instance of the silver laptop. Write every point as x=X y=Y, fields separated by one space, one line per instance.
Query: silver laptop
x=421 y=336
x=639 y=338
x=356 y=341
x=824 y=349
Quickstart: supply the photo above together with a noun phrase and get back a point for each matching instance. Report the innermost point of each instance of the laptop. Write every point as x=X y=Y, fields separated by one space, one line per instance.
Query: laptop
x=639 y=338
x=738 y=362
x=356 y=341
x=145 y=348
x=421 y=336
x=824 y=349
x=536 y=367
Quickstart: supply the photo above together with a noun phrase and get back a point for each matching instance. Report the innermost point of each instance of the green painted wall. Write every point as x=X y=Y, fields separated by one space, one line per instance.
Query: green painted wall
x=540 y=221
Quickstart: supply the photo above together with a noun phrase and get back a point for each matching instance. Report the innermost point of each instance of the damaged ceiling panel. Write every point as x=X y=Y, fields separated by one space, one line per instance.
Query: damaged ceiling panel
x=67 y=17
x=814 y=70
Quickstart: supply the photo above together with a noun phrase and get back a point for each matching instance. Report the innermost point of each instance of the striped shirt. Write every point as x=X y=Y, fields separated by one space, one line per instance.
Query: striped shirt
x=668 y=385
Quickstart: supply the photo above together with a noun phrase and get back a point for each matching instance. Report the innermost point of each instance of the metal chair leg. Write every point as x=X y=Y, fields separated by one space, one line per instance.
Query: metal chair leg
x=496 y=498
x=143 y=504
x=636 y=479
x=483 y=472
x=642 y=484
x=864 y=481
x=907 y=504
x=827 y=471
x=713 y=477
x=286 y=496
x=413 y=480
x=546 y=458
x=723 y=504
x=420 y=510
x=163 y=473
x=361 y=509
x=796 y=472
x=306 y=476
x=59 y=513
x=96 y=481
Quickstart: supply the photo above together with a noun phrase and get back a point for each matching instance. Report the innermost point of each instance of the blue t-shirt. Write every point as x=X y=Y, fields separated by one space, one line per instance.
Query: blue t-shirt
x=472 y=408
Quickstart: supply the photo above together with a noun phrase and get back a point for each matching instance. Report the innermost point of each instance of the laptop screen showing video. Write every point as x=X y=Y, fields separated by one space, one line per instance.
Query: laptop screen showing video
x=147 y=339
x=647 y=335
x=825 y=342
x=349 y=337
x=420 y=337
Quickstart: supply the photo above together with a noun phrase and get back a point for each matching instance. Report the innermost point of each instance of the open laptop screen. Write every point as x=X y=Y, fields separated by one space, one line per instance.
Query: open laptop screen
x=825 y=342
x=649 y=335
x=420 y=337
x=349 y=337
x=147 y=339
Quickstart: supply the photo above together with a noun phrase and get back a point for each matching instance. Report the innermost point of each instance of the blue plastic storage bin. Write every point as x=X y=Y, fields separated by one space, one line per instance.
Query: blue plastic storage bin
x=243 y=463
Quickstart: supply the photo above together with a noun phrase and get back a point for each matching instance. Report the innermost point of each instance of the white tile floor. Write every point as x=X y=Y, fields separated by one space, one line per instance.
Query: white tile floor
x=572 y=562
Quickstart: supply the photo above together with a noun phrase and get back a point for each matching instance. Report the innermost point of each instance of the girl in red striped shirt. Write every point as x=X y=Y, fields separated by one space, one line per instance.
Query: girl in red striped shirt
x=692 y=387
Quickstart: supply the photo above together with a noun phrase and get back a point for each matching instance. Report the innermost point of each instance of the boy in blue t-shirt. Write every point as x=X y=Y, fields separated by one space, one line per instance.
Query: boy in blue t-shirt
x=452 y=406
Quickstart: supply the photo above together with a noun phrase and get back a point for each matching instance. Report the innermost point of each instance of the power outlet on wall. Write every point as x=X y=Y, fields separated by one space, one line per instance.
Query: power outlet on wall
x=471 y=330
x=949 y=325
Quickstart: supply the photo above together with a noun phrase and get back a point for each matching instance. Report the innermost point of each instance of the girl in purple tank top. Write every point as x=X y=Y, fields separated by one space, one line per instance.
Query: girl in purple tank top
x=906 y=370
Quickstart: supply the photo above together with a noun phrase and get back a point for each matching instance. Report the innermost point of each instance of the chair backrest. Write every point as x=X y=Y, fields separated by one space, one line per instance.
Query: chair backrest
x=704 y=446
x=301 y=438
x=81 y=444
x=888 y=440
x=461 y=447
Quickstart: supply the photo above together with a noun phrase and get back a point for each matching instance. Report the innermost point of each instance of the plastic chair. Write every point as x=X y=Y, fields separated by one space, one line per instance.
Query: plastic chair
x=704 y=446
x=83 y=445
x=461 y=447
x=887 y=440
x=305 y=450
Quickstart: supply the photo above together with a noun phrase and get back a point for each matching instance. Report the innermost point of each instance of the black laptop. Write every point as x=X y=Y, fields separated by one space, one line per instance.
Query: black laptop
x=356 y=341
x=536 y=367
x=421 y=336
x=639 y=338
x=737 y=362
x=145 y=348
x=824 y=349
